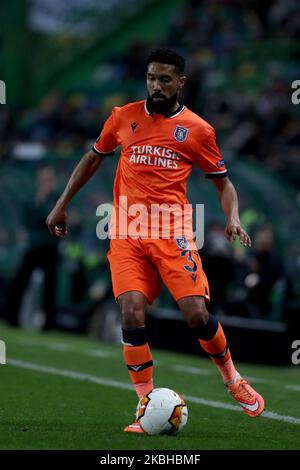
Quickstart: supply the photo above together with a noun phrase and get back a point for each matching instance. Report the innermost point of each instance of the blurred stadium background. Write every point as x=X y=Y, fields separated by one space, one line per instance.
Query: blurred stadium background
x=65 y=64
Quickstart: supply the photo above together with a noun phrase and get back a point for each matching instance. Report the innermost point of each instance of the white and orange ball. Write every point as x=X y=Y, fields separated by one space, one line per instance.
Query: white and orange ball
x=162 y=411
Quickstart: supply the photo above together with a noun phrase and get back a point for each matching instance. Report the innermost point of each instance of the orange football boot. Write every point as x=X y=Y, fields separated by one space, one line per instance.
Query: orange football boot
x=251 y=402
x=134 y=427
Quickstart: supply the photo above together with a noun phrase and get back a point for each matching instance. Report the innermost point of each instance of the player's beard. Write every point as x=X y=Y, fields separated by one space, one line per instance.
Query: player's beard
x=163 y=106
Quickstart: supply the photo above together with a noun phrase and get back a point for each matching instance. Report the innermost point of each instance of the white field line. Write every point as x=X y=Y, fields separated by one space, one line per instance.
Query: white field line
x=68 y=373
x=202 y=371
x=60 y=347
x=96 y=353
x=191 y=370
x=65 y=347
x=122 y=385
x=258 y=380
x=219 y=404
x=293 y=388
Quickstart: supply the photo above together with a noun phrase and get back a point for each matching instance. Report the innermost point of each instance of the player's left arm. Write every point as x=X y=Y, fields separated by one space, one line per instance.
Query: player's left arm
x=230 y=204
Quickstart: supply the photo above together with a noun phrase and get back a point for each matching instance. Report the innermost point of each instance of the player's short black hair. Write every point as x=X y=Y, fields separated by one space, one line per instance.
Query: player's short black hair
x=167 y=56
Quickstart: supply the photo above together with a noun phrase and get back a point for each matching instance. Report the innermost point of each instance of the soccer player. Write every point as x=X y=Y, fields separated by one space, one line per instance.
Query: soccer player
x=161 y=140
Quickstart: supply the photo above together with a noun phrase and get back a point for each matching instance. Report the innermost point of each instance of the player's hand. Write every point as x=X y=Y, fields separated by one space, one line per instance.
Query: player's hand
x=233 y=229
x=57 y=222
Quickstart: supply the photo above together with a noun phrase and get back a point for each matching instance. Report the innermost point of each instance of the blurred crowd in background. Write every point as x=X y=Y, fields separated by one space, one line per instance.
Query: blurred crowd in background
x=242 y=57
x=247 y=98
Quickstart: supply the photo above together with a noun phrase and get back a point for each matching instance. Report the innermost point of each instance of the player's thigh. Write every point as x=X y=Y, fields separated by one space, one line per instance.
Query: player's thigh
x=131 y=270
x=180 y=268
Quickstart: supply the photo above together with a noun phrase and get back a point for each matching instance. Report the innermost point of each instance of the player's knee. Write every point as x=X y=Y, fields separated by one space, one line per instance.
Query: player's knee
x=133 y=315
x=198 y=318
x=194 y=311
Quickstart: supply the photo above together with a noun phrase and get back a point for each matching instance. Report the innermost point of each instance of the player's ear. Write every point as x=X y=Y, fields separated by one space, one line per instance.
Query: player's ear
x=182 y=81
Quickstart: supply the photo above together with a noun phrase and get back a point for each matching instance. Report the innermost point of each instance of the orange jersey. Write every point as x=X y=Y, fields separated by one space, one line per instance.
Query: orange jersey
x=158 y=152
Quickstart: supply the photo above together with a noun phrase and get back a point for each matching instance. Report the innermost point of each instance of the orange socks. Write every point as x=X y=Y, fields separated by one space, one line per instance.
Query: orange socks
x=139 y=361
x=217 y=349
x=140 y=365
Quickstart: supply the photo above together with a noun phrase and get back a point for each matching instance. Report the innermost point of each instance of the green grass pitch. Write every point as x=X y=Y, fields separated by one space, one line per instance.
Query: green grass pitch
x=62 y=391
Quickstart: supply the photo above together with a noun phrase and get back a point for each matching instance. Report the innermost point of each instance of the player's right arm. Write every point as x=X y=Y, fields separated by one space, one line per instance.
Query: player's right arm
x=57 y=219
x=105 y=145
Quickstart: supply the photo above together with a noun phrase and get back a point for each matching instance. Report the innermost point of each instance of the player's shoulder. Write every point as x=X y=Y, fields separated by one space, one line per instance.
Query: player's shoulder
x=127 y=108
x=195 y=121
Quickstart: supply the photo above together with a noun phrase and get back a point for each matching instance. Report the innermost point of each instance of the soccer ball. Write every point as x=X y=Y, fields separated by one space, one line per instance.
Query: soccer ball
x=162 y=411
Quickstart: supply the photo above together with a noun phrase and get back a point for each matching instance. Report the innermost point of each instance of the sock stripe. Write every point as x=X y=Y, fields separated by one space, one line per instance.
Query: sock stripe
x=140 y=367
x=220 y=355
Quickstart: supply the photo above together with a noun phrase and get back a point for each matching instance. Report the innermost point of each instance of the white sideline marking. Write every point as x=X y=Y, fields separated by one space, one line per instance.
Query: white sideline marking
x=68 y=373
x=202 y=371
x=115 y=383
x=96 y=353
x=60 y=347
x=220 y=404
x=30 y=342
x=257 y=379
x=294 y=388
x=64 y=347
x=191 y=370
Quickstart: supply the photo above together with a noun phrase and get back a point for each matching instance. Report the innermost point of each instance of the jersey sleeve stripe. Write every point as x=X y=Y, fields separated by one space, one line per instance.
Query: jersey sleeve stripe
x=103 y=154
x=217 y=174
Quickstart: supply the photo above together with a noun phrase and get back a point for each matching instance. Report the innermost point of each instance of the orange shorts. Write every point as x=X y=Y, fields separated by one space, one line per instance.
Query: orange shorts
x=145 y=264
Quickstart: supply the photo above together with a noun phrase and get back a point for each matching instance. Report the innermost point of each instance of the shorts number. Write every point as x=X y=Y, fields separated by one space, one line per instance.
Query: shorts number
x=193 y=268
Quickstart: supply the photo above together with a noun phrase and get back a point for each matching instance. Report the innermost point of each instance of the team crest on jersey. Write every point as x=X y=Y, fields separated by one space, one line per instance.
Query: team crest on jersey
x=182 y=243
x=180 y=133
